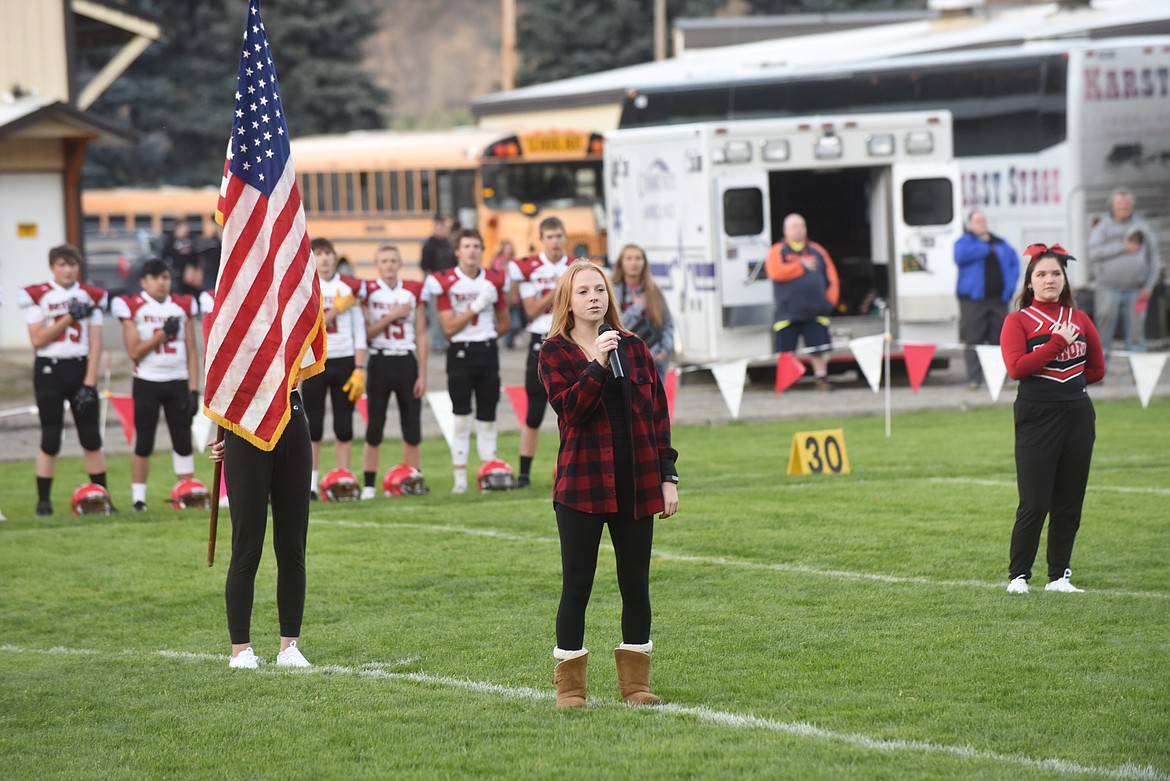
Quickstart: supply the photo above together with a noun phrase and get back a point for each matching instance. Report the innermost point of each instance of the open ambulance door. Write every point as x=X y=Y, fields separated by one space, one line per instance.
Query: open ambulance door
x=743 y=238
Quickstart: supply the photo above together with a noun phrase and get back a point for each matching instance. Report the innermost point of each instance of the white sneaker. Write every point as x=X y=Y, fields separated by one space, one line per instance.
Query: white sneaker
x=1018 y=585
x=292 y=657
x=1061 y=584
x=460 y=486
x=369 y=492
x=245 y=660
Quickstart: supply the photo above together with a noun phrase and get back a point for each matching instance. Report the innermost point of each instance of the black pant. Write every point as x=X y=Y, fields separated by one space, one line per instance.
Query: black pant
x=174 y=396
x=55 y=380
x=253 y=476
x=473 y=368
x=580 y=535
x=533 y=387
x=1054 y=448
x=393 y=375
x=337 y=373
x=979 y=323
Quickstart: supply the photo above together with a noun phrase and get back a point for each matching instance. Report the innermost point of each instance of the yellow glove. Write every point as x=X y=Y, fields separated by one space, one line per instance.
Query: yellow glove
x=342 y=302
x=355 y=386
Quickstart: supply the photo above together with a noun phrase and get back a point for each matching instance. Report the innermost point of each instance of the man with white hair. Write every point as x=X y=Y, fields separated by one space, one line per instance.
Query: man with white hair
x=1124 y=266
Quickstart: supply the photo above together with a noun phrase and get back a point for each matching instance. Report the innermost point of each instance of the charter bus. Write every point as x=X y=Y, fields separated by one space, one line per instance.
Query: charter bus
x=366 y=188
x=1043 y=132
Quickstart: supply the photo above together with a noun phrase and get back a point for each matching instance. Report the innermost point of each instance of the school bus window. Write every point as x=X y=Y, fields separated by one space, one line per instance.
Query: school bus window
x=143 y=222
x=395 y=191
x=92 y=223
x=743 y=211
x=409 y=186
x=379 y=192
x=424 y=178
x=335 y=192
x=319 y=192
x=364 y=190
x=927 y=202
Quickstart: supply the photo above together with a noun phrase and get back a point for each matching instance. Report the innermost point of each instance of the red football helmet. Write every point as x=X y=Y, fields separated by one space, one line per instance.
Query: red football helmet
x=91 y=499
x=189 y=493
x=404 y=480
x=339 y=485
x=496 y=476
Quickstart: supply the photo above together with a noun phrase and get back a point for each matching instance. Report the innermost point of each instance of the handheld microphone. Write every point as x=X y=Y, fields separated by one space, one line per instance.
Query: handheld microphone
x=615 y=361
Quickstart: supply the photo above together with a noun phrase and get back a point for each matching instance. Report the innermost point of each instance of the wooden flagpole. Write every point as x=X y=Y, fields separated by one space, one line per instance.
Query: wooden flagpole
x=217 y=476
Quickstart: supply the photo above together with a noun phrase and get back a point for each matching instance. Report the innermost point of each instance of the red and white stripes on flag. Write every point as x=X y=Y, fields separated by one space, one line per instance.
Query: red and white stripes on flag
x=266 y=332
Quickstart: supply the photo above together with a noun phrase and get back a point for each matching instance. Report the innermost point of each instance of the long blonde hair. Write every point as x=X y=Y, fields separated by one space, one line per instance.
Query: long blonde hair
x=655 y=305
x=562 y=322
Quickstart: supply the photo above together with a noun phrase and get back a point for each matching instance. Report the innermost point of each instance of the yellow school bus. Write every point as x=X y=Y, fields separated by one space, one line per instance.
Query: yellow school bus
x=366 y=188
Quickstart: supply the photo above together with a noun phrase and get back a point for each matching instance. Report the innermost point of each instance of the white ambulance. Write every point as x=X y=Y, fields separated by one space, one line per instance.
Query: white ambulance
x=706 y=201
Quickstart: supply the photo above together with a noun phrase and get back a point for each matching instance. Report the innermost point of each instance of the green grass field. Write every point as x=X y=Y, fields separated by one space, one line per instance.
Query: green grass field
x=830 y=627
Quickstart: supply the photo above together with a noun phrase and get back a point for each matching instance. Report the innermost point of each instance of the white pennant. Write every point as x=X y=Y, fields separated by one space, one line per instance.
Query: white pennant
x=201 y=429
x=729 y=377
x=1146 y=368
x=444 y=413
x=994 y=369
x=867 y=350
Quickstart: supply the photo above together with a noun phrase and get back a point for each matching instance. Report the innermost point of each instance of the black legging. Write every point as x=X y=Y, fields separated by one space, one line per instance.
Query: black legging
x=580 y=537
x=253 y=475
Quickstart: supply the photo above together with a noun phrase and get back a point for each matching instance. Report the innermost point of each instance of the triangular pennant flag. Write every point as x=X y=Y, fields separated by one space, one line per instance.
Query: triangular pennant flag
x=519 y=398
x=200 y=430
x=670 y=386
x=867 y=351
x=363 y=408
x=124 y=406
x=444 y=413
x=729 y=377
x=994 y=370
x=789 y=369
x=917 y=358
x=1146 y=368
x=223 y=497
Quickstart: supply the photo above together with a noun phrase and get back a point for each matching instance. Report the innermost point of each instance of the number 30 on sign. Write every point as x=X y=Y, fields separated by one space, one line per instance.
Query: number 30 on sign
x=818 y=452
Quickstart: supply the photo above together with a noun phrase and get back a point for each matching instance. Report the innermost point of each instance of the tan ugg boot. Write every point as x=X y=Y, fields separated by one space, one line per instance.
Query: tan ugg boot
x=569 y=677
x=633 y=671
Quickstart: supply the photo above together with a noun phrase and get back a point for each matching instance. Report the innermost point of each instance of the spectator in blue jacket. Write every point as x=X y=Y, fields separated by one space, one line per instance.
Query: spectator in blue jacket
x=989 y=270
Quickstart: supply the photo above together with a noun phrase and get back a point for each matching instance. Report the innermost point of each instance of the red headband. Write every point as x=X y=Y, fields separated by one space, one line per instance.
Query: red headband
x=1036 y=251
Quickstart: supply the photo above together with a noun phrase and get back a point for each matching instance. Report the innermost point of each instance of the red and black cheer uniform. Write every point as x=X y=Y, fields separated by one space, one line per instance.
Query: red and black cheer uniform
x=1054 y=426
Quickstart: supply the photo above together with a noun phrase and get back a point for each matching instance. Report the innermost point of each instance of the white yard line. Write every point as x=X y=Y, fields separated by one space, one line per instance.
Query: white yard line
x=706 y=715
x=722 y=561
x=1093 y=488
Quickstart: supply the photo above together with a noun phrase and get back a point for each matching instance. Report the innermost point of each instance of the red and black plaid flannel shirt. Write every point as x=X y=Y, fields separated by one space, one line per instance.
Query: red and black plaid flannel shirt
x=585 y=477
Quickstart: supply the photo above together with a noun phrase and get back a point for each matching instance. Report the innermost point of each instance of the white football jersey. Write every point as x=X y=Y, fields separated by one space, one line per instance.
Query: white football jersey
x=168 y=361
x=347 y=332
x=537 y=276
x=48 y=301
x=454 y=291
x=379 y=298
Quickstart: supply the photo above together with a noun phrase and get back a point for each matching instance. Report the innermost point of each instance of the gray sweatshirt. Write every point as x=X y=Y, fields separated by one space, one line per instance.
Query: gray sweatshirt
x=1111 y=266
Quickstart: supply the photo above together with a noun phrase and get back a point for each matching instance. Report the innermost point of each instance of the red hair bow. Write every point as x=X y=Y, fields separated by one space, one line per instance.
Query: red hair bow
x=1036 y=251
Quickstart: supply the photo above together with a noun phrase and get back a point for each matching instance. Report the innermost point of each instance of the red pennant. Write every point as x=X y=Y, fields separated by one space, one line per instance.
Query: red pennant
x=670 y=386
x=788 y=371
x=124 y=406
x=223 y=487
x=519 y=398
x=363 y=409
x=917 y=358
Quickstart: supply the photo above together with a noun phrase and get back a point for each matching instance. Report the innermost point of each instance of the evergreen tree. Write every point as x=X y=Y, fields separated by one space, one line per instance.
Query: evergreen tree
x=558 y=40
x=180 y=93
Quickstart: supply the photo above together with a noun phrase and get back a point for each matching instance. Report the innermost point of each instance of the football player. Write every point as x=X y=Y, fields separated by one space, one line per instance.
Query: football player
x=537 y=280
x=64 y=319
x=344 y=378
x=473 y=312
x=396 y=330
x=158 y=329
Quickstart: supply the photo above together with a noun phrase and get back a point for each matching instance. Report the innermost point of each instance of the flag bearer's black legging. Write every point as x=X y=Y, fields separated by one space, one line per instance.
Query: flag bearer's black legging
x=252 y=475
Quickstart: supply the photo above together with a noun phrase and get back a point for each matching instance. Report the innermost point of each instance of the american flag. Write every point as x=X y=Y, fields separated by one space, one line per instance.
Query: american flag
x=266 y=331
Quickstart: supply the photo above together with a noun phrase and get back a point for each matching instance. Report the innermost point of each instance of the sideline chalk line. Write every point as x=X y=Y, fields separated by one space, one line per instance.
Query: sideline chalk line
x=722 y=561
x=383 y=671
